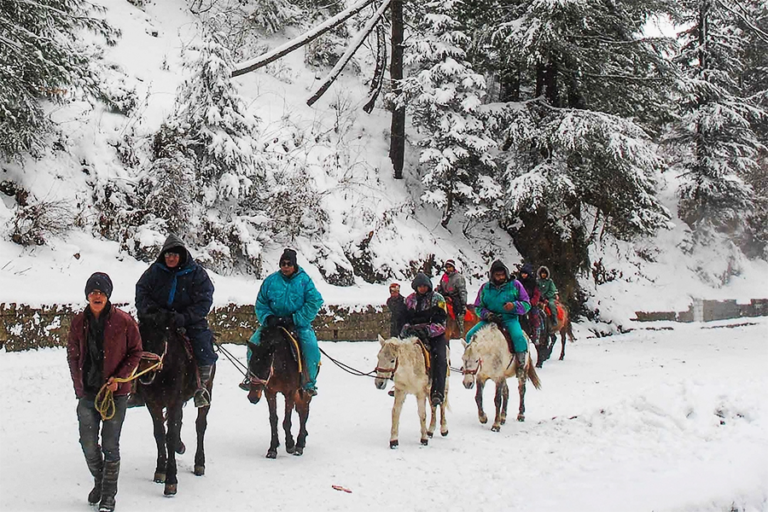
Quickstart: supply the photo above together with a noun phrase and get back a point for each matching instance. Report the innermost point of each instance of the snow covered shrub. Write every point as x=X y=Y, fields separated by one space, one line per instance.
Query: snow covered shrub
x=43 y=58
x=294 y=207
x=443 y=93
x=271 y=16
x=35 y=223
x=119 y=96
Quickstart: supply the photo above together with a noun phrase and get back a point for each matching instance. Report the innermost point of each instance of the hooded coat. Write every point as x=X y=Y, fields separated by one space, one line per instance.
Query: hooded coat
x=547 y=287
x=428 y=310
x=184 y=289
x=531 y=288
x=452 y=285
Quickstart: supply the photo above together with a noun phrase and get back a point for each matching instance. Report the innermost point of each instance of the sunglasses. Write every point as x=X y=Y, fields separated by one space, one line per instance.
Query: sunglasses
x=286 y=264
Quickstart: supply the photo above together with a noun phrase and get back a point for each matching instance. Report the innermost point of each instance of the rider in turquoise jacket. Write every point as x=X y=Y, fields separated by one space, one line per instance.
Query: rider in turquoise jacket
x=503 y=300
x=289 y=298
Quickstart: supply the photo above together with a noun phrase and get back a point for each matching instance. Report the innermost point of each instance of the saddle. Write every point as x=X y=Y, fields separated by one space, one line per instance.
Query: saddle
x=424 y=352
x=560 y=311
x=296 y=352
x=469 y=312
x=507 y=336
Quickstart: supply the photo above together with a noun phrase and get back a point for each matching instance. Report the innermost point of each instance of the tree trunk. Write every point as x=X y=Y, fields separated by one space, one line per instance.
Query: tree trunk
x=397 y=136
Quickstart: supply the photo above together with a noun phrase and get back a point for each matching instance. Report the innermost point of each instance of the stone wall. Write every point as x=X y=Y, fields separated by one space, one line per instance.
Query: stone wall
x=23 y=327
x=708 y=311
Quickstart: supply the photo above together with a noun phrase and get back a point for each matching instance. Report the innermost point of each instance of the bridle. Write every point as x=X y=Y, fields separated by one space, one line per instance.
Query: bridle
x=391 y=371
x=258 y=381
x=473 y=372
x=154 y=367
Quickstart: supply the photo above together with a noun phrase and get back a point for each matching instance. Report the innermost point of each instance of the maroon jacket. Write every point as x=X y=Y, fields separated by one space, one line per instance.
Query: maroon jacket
x=122 y=348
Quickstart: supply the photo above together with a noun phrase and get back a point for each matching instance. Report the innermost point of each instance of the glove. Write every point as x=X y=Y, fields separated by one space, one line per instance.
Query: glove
x=285 y=321
x=273 y=321
x=492 y=317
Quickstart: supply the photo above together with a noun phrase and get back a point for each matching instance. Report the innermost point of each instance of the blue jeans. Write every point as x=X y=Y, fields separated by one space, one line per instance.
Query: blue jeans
x=309 y=350
x=513 y=326
x=89 y=421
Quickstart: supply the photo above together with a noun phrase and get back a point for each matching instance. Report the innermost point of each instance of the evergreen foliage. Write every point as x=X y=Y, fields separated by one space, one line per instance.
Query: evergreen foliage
x=42 y=59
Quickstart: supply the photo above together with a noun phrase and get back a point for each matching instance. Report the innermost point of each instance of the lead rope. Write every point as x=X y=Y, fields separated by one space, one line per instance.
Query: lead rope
x=105 y=399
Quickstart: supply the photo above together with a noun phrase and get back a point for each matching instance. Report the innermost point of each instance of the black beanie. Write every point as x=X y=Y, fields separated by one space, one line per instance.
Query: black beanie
x=99 y=281
x=289 y=255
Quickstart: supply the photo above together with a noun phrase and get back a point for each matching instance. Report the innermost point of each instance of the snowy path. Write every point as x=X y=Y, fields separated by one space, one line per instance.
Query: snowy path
x=652 y=420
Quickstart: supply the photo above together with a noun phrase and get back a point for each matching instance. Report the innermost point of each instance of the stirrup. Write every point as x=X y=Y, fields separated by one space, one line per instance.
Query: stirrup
x=202 y=398
x=245 y=385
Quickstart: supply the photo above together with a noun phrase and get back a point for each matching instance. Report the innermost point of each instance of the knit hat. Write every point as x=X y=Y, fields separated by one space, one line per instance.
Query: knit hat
x=99 y=281
x=289 y=255
x=394 y=286
x=450 y=262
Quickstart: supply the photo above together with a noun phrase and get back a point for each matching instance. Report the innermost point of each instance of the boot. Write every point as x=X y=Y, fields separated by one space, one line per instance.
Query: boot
x=246 y=384
x=460 y=324
x=437 y=398
x=96 y=467
x=520 y=372
x=109 y=486
x=202 y=396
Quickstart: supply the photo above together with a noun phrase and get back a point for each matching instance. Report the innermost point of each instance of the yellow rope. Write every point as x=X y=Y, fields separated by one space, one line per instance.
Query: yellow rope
x=295 y=344
x=105 y=399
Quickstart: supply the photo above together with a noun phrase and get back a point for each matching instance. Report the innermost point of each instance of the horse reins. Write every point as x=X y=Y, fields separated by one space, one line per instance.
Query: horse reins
x=379 y=369
x=473 y=372
x=105 y=400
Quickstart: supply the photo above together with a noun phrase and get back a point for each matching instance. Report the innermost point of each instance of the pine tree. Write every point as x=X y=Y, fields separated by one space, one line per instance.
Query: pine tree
x=443 y=92
x=720 y=106
x=42 y=58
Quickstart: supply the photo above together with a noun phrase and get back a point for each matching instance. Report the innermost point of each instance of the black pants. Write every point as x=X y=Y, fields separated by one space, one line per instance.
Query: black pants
x=89 y=420
x=438 y=362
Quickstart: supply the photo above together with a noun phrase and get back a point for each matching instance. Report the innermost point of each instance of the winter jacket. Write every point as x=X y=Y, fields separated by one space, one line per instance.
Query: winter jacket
x=397 y=308
x=492 y=297
x=547 y=287
x=428 y=310
x=531 y=288
x=294 y=296
x=185 y=289
x=453 y=286
x=122 y=349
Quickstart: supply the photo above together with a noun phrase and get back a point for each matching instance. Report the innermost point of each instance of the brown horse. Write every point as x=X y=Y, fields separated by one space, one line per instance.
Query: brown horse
x=452 y=327
x=274 y=368
x=166 y=390
x=564 y=328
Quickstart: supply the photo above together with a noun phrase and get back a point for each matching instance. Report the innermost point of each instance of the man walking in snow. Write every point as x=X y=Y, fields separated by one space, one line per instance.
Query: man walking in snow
x=104 y=344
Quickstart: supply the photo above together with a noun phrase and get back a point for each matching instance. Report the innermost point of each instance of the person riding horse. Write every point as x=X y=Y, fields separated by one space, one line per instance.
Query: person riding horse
x=104 y=345
x=425 y=318
x=288 y=298
x=528 y=280
x=503 y=300
x=454 y=289
x=177 y=287
x=548 y=292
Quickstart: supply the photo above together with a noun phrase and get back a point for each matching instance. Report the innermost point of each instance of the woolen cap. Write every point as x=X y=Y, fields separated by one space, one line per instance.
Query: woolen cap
x=99 y=281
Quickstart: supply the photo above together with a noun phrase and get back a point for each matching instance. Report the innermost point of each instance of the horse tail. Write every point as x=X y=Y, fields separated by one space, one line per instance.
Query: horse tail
x=531 y=371
x=569 y=330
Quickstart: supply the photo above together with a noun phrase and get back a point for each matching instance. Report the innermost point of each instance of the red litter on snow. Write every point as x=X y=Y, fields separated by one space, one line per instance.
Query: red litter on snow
x=341 y=488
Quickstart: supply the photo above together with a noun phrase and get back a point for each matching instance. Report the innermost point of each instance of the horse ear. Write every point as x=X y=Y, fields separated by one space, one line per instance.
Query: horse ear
x=381 y=340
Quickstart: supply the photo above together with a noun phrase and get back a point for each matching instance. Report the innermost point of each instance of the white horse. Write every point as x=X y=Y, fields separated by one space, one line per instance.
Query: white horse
x=487 y=357
x=404 y=361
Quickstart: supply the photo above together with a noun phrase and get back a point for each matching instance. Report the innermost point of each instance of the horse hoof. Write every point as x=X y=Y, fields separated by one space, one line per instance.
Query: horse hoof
x=443 y=433
x=495 y=428
x=561 y=358
x=170 y=490
x=272 y=454
x=299 y=451
x=503 y=421
x=290 y=449
x=425 y=442
x=181 y=448
x=199 y=470
x=159 y=478
x=393 y=444
x=483 y=419
x=430 y=434
x=538 y=365
x=521 y=418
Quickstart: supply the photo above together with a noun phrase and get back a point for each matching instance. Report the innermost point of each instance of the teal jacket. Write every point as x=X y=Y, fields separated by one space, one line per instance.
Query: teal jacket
x=294 y=296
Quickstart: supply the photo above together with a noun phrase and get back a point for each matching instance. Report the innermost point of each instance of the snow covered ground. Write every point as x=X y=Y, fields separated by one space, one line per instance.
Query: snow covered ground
x=662 y=420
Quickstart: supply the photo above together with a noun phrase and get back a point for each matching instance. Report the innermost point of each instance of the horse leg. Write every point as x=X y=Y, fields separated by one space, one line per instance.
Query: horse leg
x=275 y=442
x=504 y=401
x=443 y=406
x=201 y=424
x=396 y=408
x=497 y=399
x=421 y=401
x=173 y=438
x=562 y=341
x=290 y=402
x=302 y=407
x=158 y=423
x=432 y=421
x=479 y=401
x=521 y=390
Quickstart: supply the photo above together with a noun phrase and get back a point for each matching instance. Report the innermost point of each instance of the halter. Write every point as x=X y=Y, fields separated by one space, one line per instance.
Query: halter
x=473 y=372
x=379 y=369
x=256 y=380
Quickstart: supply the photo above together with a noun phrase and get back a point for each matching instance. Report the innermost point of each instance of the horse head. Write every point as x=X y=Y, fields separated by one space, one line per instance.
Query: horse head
x=386 y=361
x=471 y=363
x=260 y=365
x=154 y=329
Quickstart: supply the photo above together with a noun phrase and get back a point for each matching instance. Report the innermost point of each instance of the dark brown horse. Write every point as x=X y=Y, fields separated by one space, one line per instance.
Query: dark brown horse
x=274 y=368
x=165 y=392
x=534 y=324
